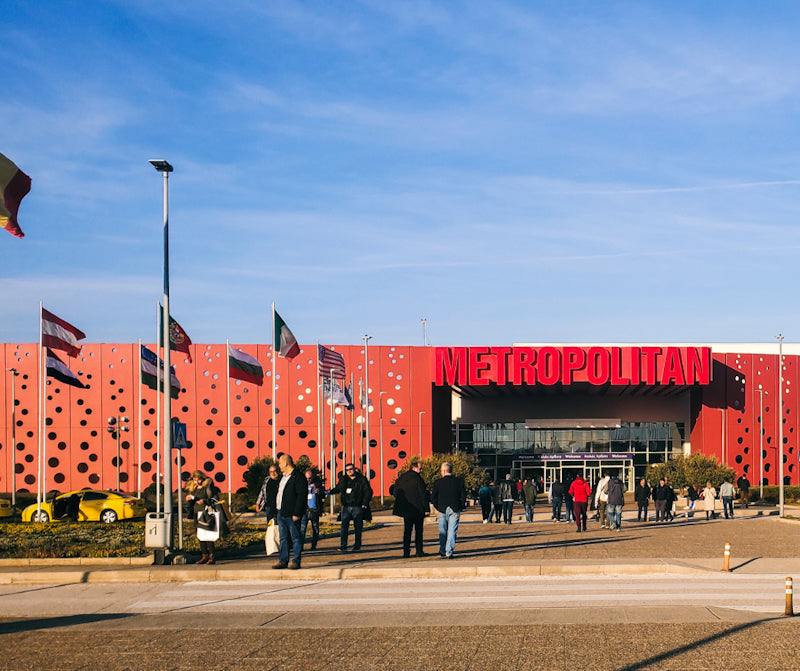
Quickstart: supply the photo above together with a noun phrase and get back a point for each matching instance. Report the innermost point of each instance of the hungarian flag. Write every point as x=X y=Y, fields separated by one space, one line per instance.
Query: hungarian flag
x=178 y=338
x=57 y=369
x=14 y=186
x=244 y=367
x=284 y=342
x=330 y=363
x=58 y=334
x=151 y=364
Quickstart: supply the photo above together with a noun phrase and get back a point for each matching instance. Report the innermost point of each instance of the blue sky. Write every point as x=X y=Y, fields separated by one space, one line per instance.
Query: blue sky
x=510 y=171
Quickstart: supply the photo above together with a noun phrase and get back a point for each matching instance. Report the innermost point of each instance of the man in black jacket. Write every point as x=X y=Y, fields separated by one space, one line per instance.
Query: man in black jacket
x=449 y=498
x=291 y=505
x=411 y=503
x=356 y=494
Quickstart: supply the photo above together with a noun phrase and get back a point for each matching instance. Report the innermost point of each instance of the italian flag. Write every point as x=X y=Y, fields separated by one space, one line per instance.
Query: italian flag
x=285 y=343
x=244 y=367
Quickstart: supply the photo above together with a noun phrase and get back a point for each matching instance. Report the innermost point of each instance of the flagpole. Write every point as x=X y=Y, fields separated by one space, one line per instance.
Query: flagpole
x=228 y=389
x=275 y=347
x=139 y=425
x=42 y=391
x=159 y=385
x=352 y=418
x=367 y=338
x=333 y=436
x=320 y=444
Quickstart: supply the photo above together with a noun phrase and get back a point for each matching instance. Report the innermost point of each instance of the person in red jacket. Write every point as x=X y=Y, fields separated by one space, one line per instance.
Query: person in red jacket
x=580 y=492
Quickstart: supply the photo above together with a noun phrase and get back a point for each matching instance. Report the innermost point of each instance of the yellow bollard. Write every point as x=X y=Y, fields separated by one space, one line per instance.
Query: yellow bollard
x=789 y=612
x=726 y=560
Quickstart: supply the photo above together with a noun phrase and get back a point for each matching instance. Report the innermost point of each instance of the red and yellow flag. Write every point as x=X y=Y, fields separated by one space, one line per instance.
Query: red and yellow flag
x=14 y=185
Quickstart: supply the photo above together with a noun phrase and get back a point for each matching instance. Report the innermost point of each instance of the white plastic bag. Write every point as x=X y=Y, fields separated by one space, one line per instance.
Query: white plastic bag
x=209 y=534
x=272 y=538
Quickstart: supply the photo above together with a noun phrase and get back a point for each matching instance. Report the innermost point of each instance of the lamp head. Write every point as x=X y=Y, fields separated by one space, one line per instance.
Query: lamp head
x=161 y=165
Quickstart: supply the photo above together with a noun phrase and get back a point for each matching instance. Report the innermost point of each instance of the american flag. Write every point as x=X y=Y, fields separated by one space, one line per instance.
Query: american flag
x=330 y=363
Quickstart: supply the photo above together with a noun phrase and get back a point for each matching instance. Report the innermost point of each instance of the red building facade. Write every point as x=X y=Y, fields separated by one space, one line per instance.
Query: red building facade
x=413 y=407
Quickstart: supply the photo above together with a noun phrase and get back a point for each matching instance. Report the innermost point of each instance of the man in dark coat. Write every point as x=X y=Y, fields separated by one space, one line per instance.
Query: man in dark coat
x=356 y=494
x=291 y=504
x=642 y=495
x=411 y=503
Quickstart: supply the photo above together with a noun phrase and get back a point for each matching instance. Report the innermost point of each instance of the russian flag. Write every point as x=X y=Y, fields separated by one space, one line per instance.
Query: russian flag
x=14 y=186
x=58 y=369
x=58 y=334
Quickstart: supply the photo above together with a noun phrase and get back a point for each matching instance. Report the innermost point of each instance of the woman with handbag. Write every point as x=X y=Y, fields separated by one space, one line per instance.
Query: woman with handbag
x=206 y=495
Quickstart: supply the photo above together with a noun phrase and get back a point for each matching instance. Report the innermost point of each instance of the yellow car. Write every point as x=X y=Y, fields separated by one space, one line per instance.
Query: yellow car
x=87 y=505
x=5 y=508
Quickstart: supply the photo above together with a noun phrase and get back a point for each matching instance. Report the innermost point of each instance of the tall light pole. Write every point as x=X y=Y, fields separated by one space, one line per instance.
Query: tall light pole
x=421 y=412
x=118 y=424
x=14 y=374
x=761 y=393
x=380 y=414
x=367 y=338
x=165 y=168
x=780 y=422
x=424 y=331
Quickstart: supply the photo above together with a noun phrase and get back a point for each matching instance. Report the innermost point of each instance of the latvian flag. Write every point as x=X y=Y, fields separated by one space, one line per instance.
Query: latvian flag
x=14 y=186
x=57 y=369
x=151 y=364
x=284 y=342
x=244 y=367
x=58 y=334
x=330 y=363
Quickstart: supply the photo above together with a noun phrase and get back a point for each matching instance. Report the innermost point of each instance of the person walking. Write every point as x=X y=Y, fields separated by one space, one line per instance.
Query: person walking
x=616 y=500
x=204 y=493
x=411 y=503
x=727 y=494
x=642 y=495
x=661 y=496
x=744 y=490
x=291 y=505
x=315 y=498
x=709 y=500
x=556 y=498
x=580 y=492
x=497 y=503
x=507 y=491
x=356 y=494
x=529 y=499
x=485 y=498
x=601 y=501
x=448 y=497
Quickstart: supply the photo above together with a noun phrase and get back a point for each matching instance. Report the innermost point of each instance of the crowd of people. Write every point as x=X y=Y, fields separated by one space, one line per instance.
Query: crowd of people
x=292 y=500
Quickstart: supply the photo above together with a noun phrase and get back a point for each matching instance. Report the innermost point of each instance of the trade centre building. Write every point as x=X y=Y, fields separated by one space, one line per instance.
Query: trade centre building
x=549 y=410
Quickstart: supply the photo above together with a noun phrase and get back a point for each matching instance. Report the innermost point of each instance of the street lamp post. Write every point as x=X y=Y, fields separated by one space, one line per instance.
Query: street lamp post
x=367 y=338
x=14 y=374
x=780 y=422
x=165 y=168
x=421 y=412
x=761 y=393
x=380 y=417
x=118 y=425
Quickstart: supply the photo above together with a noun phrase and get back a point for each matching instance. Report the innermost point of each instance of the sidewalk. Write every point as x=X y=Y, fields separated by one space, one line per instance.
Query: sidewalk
x=760 y=544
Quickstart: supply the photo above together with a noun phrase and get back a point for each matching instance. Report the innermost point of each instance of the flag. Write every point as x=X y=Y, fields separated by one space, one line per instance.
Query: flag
x=178 y=338
x=330 y=363
x=348 y=394
x=244 y=367
x=151 y=364
x=58 y=334
x=284 y=342
x=332 y=391
x=14 y=186
x=365 y=401
x=58 y=369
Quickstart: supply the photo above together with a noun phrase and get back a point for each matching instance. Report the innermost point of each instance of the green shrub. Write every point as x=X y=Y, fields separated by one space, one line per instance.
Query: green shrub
x=465 y=466
x=696 y=469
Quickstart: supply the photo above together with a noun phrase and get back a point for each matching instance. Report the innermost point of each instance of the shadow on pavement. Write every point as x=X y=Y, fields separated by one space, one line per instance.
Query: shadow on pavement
x=34 y=624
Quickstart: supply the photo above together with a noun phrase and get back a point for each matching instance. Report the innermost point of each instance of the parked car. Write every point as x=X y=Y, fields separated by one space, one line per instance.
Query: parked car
x=5 y=508
x=87 y=505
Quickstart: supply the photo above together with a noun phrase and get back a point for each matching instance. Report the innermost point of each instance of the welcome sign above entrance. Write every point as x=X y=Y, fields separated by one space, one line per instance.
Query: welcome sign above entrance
x=649 y=365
